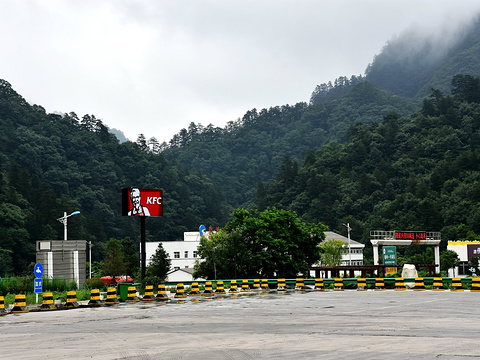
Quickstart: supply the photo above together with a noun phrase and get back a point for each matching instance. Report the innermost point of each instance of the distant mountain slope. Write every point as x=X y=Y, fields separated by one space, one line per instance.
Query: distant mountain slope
x=237 y=157
x=52 y=163
x=413 y=63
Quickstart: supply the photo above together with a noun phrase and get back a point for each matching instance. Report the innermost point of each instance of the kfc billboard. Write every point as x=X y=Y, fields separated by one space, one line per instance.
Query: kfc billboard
x=142 y=202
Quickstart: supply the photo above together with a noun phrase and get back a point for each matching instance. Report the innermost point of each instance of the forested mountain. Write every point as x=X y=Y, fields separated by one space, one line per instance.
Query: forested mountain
x=413 y=173
x=251 y=149
x=353 y=153
x=50 y=164
x=413 y=63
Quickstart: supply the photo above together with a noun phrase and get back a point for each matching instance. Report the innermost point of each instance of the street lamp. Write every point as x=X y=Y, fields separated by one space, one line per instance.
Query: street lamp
x=347 y=225
x=63 y=220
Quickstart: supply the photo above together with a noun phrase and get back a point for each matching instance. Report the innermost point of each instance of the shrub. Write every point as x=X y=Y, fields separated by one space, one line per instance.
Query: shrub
x=95 y=283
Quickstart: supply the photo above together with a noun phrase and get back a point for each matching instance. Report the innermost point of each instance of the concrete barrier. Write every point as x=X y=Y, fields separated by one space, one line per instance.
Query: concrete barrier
x=47 y=302
x=400 y=284
x=20 y=304
x=437 y=284
x=180 y=293
x=338 y=284
x=161 y=293
x=379 y=284
x=361 y=284
x=132 y=294
x=3 y=311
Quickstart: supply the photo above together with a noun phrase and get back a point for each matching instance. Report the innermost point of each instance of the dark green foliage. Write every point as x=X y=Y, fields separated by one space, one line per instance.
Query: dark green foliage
x=159 y=265
x=404 y=173
x=252 y=149
x=50 y=164
x=114 y=264
x=272 y=243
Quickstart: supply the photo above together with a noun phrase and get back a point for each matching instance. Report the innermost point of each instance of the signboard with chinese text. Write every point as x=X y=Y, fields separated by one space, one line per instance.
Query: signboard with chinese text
x=410 y=235
x=142 y=202
x=38 y=286
x=473 y=250
x=390 y=255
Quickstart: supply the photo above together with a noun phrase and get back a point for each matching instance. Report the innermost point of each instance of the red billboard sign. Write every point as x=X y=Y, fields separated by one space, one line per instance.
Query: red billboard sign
x=410 y=235
x=142 y=202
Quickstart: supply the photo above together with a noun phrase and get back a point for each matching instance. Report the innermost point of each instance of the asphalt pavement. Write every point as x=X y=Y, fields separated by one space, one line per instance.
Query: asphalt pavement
x=298 y=325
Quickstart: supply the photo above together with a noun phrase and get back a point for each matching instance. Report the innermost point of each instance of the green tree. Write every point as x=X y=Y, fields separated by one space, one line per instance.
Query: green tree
x=130 y=256
x=272 y=243
x=448 y=259
x=332 y=251
x=474 y=265
x=114 y=264
x=159 y=264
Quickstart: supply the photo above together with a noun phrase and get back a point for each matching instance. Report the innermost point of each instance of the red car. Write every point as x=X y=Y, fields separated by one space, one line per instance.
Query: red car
x=109 y=279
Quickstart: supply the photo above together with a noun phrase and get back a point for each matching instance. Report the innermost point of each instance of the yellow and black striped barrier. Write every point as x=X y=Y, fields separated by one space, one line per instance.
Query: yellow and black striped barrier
x=233 y=286
x=148 y=296
x=456 y=285
x=319 y=286
x=220 y=290
x=208 y=288
x=95 y=299
x=71 y=302
x=281 y=285
x=400 y=284
x=112 y=298
x=180 y=293
x=300 y=284
x=265 y=284
x=256 y=284
x=475 y=285
x=338 y=284
x=379 y=284
x=437 y=284
x=3 y=311
x=132 y=294
x=419 y=284
x=161 y=293
x=20 y=304
x=195 y=290
x=245 y=285
x=361 y=284
x=47 y=302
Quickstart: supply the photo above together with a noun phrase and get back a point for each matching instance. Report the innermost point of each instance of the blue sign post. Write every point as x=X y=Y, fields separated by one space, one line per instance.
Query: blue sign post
x=38 y=285
x=38 y=270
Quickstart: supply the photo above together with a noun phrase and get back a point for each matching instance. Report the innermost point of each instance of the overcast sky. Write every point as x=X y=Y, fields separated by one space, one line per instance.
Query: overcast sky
x=154 y=66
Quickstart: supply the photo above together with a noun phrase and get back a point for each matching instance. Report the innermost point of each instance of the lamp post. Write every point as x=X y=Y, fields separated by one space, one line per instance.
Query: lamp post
x=347 y=225
x=63 y=220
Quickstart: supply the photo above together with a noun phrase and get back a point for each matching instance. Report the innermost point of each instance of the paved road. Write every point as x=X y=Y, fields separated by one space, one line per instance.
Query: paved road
x=312 y=325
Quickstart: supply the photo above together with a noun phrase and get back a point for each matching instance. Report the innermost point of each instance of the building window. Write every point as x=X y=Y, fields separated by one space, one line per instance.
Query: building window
x=186 y=266
x=176 y=255
x=194 y=254
x=186 y=254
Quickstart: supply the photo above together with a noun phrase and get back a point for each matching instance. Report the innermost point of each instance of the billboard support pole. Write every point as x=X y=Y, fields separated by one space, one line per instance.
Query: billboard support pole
x=142 y=245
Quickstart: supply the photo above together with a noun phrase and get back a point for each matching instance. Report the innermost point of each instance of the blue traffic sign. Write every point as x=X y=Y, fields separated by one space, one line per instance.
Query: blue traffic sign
x=38 y=270
x=202 y=229
x=38 y=285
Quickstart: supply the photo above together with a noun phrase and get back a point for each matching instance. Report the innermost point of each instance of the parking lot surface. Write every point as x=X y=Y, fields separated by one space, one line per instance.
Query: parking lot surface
x=310 y=325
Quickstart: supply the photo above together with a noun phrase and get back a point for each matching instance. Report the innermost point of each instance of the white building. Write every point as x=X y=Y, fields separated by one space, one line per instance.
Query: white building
x=354 y=254
x=184 y=253
x=465 y=250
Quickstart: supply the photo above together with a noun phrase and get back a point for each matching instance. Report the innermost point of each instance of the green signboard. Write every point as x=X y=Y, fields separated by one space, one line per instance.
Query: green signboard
x=390 y=255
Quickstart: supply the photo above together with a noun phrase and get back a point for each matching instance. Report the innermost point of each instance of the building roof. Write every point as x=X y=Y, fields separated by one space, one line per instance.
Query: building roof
x=330 y=235
x=187 y=270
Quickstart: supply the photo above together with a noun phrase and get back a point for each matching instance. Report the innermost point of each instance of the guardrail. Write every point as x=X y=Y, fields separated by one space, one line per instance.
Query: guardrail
x=212 y=288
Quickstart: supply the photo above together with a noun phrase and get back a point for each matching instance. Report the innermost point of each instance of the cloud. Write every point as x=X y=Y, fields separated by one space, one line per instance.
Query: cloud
x=153 y=67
